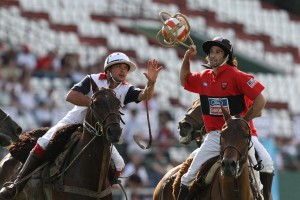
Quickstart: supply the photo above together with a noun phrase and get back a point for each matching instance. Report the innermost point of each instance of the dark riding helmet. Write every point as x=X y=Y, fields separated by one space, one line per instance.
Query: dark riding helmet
x=221 y=42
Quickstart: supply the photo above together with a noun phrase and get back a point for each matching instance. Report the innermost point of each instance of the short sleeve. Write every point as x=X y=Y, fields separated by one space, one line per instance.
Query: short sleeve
x=193 y=82
x=249 y=85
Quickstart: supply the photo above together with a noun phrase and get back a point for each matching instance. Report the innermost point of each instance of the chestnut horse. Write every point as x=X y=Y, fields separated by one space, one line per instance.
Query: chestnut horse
x=84 y=172
x=230 y=180
x=190 y=128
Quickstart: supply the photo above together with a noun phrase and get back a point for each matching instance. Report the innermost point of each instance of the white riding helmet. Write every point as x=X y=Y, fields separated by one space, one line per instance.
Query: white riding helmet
x=116 y=58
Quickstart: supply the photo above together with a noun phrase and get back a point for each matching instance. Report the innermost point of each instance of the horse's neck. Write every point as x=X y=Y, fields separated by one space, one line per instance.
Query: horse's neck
x=239 y=188
x=91 y=162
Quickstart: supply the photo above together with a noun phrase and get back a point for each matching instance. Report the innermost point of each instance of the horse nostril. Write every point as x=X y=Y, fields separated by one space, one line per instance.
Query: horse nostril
x=114 y=133
x=228 y=166
x=233 y=164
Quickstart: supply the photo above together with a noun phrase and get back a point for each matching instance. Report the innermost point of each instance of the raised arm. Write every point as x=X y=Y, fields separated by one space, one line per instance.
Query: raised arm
x=185 y=66
x=151 y=75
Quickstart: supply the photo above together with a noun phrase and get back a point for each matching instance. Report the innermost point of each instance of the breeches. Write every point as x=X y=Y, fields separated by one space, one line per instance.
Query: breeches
x=263 y=155
x=209 y=148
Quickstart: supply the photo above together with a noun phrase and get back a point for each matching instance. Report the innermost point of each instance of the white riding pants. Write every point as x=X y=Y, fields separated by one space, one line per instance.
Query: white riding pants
x=209 y=149
x=45 y=139
x=263 y=155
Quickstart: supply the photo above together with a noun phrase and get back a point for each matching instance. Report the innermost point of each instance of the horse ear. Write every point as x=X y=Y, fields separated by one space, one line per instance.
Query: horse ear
x=248 y=114
x=95 y=88
x=226 y=114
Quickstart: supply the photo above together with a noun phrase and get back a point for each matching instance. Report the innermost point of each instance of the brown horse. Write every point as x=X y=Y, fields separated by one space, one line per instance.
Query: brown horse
x=82 y=173
x=230 y=180
x=190 y=129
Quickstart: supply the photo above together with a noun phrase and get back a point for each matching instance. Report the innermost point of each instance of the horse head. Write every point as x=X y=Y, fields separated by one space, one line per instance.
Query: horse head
x=190 y=126
x=235 y=142
x=103 y=115
x=9 y=129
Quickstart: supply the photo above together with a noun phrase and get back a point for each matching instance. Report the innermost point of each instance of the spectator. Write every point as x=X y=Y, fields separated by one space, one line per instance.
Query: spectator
x=136 y=168
x=26 y=60
x=158 y=164
x=48 y=66
x=166 y=137
x=134 y=127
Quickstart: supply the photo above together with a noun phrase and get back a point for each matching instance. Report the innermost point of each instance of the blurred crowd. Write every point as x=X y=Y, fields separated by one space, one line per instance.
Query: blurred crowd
x=39 y=103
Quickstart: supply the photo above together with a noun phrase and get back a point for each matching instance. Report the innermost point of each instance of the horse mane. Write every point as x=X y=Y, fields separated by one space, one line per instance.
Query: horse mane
x=21 y=149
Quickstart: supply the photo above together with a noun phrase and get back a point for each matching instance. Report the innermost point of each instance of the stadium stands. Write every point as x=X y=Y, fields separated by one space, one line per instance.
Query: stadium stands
x=93 y=29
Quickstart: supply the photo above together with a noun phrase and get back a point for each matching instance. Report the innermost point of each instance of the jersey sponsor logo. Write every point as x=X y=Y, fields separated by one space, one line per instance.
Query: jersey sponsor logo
x=224 y=85
x=215 y=105
x=252 y=82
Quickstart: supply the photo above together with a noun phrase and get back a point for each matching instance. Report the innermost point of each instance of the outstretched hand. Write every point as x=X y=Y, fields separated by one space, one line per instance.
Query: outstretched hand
x=152 y=71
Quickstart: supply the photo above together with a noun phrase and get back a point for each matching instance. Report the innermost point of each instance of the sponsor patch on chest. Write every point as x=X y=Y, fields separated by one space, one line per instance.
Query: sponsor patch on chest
x=215 y=105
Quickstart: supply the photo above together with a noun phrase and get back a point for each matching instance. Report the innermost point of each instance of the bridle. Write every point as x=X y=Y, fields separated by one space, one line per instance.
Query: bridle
x=100 y=125
x=242 y=153
x=96 y=130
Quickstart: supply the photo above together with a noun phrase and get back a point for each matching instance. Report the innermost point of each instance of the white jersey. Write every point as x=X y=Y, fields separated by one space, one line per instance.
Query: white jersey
x=77 y=114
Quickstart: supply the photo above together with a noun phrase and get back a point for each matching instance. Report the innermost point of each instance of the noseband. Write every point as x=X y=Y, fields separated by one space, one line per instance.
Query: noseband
x=242 y=153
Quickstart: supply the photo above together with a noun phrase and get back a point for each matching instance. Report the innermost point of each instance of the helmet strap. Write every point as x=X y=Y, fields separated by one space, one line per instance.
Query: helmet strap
x=114 y=79
x=226 y=59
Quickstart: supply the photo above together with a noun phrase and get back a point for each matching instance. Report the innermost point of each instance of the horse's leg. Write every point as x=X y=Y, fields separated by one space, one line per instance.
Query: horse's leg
x=164 y=190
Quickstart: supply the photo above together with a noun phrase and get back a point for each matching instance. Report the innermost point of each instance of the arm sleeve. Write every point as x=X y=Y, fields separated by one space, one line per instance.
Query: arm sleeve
x=249 y=85
x=84 y=86
x=193 y=83
x=132 y=95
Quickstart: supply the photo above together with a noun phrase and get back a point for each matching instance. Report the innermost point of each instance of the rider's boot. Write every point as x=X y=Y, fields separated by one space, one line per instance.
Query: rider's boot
x=12 y=190
x=266 y=180
x=183 y=192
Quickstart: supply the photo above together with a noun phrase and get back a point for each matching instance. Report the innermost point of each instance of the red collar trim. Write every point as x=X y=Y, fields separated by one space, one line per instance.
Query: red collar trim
x=102 y=76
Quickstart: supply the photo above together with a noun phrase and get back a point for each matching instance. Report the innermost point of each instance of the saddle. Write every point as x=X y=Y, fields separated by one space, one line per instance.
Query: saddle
x=203 y=178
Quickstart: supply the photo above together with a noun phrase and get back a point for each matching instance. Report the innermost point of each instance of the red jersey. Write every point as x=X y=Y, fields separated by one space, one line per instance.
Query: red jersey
x=229 y=88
